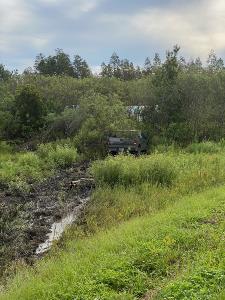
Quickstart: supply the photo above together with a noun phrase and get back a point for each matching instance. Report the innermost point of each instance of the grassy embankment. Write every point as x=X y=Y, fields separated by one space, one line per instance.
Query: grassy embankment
x=18 y=169
x=171 y=248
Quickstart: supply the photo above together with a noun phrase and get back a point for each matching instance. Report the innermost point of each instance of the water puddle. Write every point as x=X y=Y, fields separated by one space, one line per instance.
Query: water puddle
x=58 y=228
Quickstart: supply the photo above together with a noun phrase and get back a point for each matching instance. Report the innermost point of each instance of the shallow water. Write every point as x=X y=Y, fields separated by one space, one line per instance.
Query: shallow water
x=59 y=227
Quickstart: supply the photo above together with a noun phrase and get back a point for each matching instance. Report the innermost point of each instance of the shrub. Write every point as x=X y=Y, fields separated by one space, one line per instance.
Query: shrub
x=57 y=155
x=62 y=156
x=19 y=169
x=25 y=167
x=30 y=108
x=44 y=150
x=180 y=133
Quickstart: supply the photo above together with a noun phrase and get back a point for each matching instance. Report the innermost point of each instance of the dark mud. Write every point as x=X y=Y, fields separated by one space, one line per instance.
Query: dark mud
x=27 y=218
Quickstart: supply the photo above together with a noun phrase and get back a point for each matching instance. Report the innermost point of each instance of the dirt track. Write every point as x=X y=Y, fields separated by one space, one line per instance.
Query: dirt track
x=25 y=219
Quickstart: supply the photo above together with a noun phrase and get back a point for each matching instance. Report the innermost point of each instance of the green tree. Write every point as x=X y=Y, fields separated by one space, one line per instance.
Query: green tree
x=166 y=104
x=63 y=125
x=7 y=120
x=115 y=65
x=156 y=62
x=80 y=68
x=147 y=67
x=58 y=64
x=120 y=69
x=101 y=117
x=196 y=65
x=127 y=70
x=106 y=70
x=4 y=74
x=29 y=109
x=214 y=64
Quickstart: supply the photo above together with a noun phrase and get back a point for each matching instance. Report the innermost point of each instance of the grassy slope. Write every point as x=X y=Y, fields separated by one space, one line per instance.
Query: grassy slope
x=128 y=187
x=176 y=254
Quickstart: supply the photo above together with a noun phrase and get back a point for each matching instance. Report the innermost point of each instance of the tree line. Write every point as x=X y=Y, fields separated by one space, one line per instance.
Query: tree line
x=61 y=64
x=60 y=98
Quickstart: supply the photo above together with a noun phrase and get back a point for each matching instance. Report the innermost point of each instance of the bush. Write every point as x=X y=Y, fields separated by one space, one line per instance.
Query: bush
x=63 y=156
x=30 y=108
x=23 y=168
x=19 y=169
x=57 y=155
x=180 y=133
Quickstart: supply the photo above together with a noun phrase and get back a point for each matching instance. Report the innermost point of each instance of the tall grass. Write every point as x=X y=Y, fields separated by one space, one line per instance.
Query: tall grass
x=126 y=170
x=128 y=186
x=17 y=170
x=205 y=147
x=57 y=155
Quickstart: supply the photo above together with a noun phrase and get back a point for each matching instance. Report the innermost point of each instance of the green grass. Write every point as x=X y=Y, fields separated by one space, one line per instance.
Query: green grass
x=206 y=147
x=125 y=170
x=176 y=254
x=155 y=225
x=17 y=170
x=129 y=191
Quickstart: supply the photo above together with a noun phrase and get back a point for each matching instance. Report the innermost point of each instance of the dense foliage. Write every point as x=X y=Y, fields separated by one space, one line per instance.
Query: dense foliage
x=183 y=101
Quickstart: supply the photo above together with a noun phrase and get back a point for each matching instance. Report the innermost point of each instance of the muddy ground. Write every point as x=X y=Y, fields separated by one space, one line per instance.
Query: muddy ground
x=26 y=218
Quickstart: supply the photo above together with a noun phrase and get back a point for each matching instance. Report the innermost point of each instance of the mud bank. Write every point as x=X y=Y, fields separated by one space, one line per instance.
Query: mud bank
x=26 y=219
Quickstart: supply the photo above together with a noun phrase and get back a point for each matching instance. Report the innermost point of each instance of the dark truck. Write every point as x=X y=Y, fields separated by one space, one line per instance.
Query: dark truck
x=128 y=141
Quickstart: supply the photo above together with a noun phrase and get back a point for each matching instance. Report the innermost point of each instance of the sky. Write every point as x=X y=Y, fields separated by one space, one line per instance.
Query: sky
x=94 y=29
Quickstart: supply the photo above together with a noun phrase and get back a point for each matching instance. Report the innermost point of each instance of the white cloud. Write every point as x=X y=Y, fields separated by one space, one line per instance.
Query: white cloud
x=73 y=8
x=197 y=26
x=82 y=5
x=39 y=42
x=31 y=26
x=51 y=2
x=20 y=21
x=76 y=8
x=13 y=14
x=15 y=17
